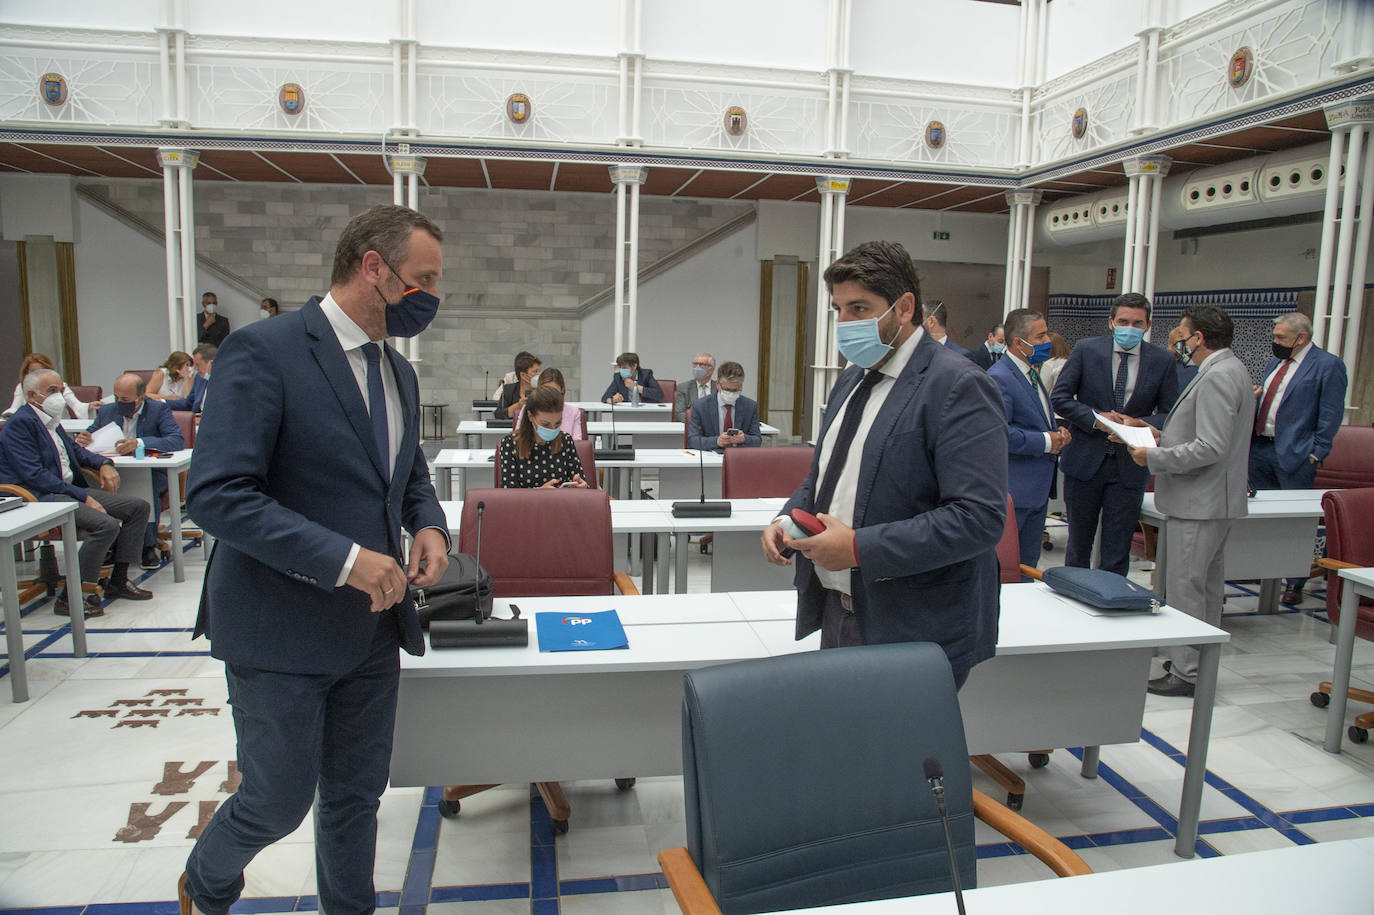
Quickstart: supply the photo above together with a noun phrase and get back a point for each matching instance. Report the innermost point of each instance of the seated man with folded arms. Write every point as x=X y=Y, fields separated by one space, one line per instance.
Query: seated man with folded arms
x=537 y=454
x=38 y=455
x=715 y=416
x=572 y=416
x=513 y=395
x=142 y=420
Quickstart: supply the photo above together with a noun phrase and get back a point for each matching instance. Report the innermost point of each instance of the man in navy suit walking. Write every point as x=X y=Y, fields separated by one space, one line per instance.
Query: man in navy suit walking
x=1298 y=410
x=909 y=479
x=1034 y=438
x=306 y=472
x=1114 y=375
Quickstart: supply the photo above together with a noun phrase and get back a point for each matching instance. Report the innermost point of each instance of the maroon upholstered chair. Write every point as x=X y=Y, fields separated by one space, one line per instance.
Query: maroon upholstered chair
x=570 y=555
x=1351 y=461
x=186 y=421
x=582 y=423
x=764 y=473
x=586 y=452
x=1009 y=548
x=145 y=374
x=1349 y=544
x=669 y=391
x=86 y=393
x=686 y=426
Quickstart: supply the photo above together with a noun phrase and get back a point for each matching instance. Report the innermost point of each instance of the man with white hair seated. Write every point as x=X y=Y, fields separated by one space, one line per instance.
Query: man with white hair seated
x=37 y=454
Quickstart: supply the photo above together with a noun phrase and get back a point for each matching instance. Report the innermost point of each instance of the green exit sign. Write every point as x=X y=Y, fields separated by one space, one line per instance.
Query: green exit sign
x=941 y=236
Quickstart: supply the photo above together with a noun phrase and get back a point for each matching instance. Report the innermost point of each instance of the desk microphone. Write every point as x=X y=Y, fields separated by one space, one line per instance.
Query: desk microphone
x=482 y=403
x=936 y=776
x=615 y=452
x=701 y=508
x=474 y=633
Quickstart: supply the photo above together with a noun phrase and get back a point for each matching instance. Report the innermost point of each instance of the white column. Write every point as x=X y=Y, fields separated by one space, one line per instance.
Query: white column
x=1329 y=230
x=1023 y=202
x=171 y=218
x=190 y=292
x=626 y=251
x=1128 y=256
x=1340 y=292
x=1146 y=174
x=1029 y=249
x=178 y=203
x=1355 y=310
x=1152 y=240
x=825 y=361
x=1008 y=292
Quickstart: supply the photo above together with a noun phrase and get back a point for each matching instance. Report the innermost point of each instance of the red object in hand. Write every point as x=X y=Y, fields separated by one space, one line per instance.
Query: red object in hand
x=807 y=521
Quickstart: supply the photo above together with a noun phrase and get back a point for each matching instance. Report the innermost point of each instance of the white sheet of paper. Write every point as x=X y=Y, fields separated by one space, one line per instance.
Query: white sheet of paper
x=103 y=439
x=1139 y=436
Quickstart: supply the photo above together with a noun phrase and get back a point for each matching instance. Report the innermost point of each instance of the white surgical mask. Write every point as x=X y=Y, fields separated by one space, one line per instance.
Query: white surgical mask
x=55 y=405
x=264 y=313
x=209 y=308
x=729 y=397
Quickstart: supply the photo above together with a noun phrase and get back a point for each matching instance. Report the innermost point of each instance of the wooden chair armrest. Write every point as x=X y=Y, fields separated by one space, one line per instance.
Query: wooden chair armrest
x=91 y=476
x=1030 y=572
x=1061 y=859
x=625 y=584
x=692 y=895
x=1336 y=564
x=15 y=489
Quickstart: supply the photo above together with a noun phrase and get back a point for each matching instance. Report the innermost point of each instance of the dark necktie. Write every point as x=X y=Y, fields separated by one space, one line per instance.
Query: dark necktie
x=853 y=413
x=1119 y=391
x=1039 y=390
x=729 y=417
x=1269 y=396
x=376 y=401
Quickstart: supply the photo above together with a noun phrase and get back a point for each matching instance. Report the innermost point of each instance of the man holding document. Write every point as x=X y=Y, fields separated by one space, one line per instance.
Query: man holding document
x=1106 y=379
x=1200 y=467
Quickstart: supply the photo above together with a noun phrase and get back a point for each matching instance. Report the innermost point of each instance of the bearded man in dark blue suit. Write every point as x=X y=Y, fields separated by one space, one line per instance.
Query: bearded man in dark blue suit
x=306 y=472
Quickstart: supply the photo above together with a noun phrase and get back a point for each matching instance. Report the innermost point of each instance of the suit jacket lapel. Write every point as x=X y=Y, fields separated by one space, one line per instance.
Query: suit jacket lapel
x=410 y=407
x=904 y=388
x=333 y=363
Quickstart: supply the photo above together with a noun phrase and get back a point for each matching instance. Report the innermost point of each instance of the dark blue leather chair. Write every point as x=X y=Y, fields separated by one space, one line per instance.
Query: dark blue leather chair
x=803 y=783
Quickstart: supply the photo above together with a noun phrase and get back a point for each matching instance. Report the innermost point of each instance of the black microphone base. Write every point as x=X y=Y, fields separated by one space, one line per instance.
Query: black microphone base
x=687 y=509
x=613 y=454
x=468 y=634
x=500 y=424
x=484 y=404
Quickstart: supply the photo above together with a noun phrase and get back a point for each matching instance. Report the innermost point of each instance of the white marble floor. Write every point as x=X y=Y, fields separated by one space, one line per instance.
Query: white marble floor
x=107 y=771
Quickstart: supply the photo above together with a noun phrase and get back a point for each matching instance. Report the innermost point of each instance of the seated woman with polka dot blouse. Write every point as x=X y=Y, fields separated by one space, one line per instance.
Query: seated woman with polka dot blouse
x=537 y=454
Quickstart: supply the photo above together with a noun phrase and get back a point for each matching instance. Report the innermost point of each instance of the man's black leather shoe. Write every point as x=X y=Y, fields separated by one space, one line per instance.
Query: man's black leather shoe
x=92 y=604
x=1170 y=685
x=128 y=591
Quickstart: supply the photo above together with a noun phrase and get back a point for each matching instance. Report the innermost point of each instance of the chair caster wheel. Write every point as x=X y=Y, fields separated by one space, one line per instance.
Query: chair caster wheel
x=449 y=809
x=1358 y=734
x=560 y=827
x=1014 y=801
x=624 y=784
x=1038 y=760
x=1320 y=700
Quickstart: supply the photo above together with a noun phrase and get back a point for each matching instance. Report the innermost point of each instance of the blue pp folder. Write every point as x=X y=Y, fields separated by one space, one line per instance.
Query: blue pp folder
x=576 y=631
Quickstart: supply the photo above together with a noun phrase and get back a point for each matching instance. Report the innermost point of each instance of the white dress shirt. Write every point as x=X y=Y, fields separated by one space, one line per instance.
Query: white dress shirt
x=703 y=390
x=1132 y=367
x=1024 y=369
x=1297 y=358
x=847 y=485
x=352 y=338
x=55 y=431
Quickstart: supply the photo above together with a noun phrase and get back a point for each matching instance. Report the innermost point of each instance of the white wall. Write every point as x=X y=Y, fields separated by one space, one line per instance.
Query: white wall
x=948 y=41
x=793 y=229
x=121 y=298
x=743 y=34
x=37 y=205
x=584 y=27
x=1078 y=32
x=84 y=14
x=710 y=302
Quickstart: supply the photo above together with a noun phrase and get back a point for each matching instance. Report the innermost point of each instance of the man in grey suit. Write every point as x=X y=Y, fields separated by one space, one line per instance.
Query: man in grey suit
x=700 y=385
x=1200 y=467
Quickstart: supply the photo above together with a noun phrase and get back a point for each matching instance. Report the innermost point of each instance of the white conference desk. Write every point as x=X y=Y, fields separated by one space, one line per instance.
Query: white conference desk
x=142 y=488
x=679 y=472
x=627 y=413
x=643 y=433
x=1274 y=542
x=17 y=525
x=1357 y=583
x=1063 y=677
x=1326 y=877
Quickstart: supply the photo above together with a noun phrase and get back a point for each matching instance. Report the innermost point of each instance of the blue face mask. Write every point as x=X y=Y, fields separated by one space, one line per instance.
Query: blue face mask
x=547 y=434
x=1128 y=337
x=999 y=348
x=625 y=373
x=413 y=313
x=127 y=410
x=861 y=342
x=1039 y=352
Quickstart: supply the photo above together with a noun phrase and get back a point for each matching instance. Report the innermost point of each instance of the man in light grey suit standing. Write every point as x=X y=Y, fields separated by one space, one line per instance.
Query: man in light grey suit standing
x=1200 y=467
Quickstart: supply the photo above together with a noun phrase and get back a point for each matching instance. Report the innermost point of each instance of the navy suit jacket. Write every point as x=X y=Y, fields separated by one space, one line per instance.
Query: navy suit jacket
x=28 y=458
x=956 y=348
x=1030 y=468
x=287 y=477
x=156 y=425
x=930 y=507
x=705 y=427
x=983 y=357
x=1086 y=385
x=652 y=393
x=193 y=402
x=1312 y=408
